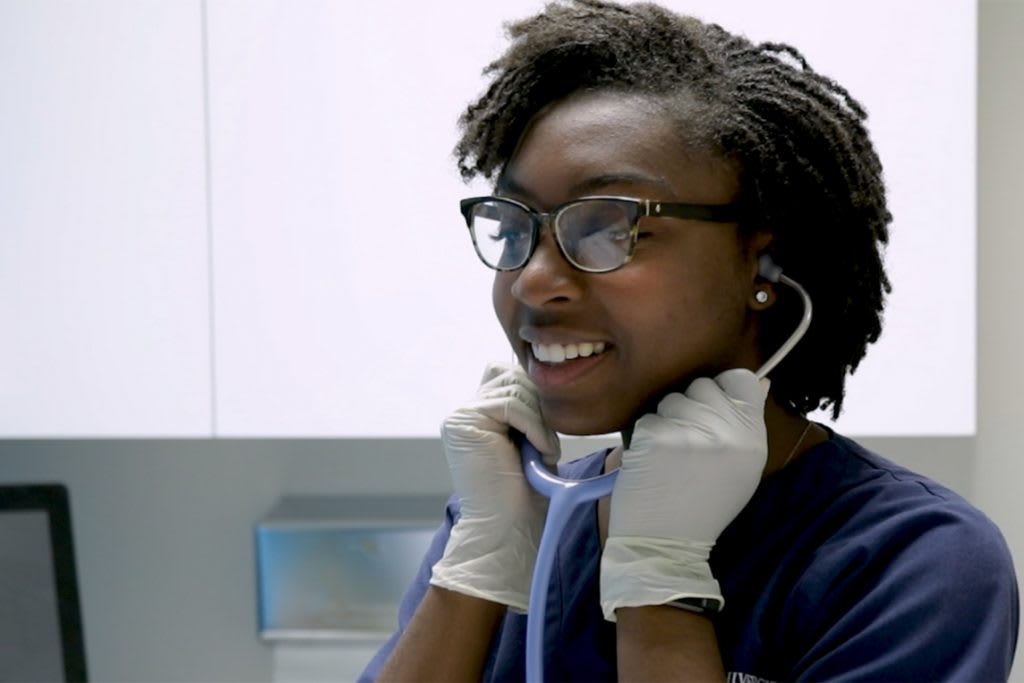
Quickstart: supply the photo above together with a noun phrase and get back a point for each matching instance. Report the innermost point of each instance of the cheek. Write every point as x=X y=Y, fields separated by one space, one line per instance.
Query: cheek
x=502 y=300
x=696 y=322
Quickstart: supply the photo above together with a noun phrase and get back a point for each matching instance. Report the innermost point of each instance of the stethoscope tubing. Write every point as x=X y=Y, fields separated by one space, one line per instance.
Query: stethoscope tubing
x=565 y=495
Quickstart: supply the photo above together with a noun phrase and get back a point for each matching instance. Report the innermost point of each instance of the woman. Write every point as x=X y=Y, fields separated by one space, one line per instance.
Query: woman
x=644 y=164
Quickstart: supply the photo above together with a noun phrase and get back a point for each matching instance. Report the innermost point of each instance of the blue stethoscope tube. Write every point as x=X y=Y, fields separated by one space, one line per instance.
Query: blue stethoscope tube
x=567 y=494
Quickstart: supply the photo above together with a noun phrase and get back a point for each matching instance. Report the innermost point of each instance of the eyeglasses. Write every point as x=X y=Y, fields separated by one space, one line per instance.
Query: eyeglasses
x=594 y=234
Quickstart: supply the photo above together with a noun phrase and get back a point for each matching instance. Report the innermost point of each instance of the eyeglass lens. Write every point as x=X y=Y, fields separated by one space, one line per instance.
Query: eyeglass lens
x=503 y=233
x=594 y=234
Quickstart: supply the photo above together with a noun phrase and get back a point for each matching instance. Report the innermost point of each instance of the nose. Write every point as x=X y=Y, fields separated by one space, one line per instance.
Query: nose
x=547 y=277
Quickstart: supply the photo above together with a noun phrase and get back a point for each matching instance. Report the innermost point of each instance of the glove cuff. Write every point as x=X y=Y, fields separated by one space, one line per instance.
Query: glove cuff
x=638 y=572
x=464 y=582
x=482 y=565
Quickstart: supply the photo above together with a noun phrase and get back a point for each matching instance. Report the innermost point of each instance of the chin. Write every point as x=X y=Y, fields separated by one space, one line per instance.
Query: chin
x=582 y=422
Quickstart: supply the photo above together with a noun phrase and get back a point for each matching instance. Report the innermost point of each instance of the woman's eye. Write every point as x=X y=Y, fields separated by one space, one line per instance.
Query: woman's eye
x=613 y=234
x=598 y=228
x=508 y=235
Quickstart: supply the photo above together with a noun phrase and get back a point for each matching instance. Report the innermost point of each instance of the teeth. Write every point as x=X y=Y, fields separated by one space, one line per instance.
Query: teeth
x=559 y=353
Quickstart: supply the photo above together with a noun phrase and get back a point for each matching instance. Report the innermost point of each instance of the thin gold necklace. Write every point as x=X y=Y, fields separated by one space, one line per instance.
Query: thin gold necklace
x=799 y=441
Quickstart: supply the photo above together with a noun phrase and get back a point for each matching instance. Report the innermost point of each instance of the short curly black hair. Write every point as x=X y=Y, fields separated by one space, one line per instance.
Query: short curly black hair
x=809 y=174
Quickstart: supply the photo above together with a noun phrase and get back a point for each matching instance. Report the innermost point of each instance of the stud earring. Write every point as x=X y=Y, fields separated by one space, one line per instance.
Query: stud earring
x=761 y=296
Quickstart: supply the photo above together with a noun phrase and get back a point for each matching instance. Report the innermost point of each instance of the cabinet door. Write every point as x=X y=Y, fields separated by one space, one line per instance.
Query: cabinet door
x=104 y=292
x=349 y=299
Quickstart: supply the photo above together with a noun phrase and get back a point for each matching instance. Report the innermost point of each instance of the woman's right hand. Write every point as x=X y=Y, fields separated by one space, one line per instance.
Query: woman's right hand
x=493 y=545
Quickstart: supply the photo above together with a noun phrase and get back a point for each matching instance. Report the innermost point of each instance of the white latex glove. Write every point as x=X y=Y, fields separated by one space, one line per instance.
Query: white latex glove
x=493 y=545
x=690 y=468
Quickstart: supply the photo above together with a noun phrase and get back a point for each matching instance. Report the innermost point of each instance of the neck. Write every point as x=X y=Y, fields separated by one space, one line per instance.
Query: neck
x=789 y=436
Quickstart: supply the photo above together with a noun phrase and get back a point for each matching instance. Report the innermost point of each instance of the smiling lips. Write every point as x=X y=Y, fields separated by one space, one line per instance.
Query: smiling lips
x=555 y=365
x=559 y=353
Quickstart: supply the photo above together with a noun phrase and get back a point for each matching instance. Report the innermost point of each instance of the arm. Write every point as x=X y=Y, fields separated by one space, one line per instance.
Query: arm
x=447 y=639
x=661 y=643
x=488 y=555
x=690 y=469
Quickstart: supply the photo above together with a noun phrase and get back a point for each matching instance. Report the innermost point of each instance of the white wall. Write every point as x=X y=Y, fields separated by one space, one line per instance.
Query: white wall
x=163 y=528
x=103 y=242
x=999 y=448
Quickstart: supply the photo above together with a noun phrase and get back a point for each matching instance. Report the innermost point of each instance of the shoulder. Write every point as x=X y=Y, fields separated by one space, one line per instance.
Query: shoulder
x=869 y=501
x=901 y=564
x=868 y=511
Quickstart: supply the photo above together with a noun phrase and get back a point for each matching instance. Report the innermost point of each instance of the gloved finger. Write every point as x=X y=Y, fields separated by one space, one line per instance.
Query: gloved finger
x=673 y=431
x=490 y=401
x=507 y=396
x=527 y=419
x=488 y=410
x=649 y=427
x=501 y=376
x=675 y=406
x=513 y=406
x=494 y=370
x=507 y=384
x=707 y=392
x=512 y=383
x=686 y=421
x=706 y=409
x=742 y=384
x=733 y=391
x=678 y=407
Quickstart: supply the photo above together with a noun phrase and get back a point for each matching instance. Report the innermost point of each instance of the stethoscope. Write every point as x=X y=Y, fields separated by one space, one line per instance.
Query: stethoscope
x=566 y=494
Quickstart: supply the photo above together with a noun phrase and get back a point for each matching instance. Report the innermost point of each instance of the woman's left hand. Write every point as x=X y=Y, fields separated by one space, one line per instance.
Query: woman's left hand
x=690 y=469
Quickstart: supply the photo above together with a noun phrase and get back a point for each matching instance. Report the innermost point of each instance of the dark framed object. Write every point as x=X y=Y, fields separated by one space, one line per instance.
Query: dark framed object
x=39 y=599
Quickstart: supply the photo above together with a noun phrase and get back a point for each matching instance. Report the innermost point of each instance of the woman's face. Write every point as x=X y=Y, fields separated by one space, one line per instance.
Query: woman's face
x=680 y=309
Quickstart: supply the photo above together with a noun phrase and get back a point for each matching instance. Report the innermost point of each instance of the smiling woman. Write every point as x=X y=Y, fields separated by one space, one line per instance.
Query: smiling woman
x=645 y=166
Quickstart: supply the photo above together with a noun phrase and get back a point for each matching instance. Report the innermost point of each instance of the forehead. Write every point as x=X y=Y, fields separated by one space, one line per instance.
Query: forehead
x=605 y=140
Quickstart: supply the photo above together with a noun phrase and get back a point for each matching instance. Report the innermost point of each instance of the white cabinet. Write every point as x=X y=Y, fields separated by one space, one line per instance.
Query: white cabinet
x=349 y=299
x=299 y=268
x=103 y=261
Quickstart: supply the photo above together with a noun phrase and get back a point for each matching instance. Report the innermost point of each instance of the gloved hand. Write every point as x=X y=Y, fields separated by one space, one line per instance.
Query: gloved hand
x=493 y=545
x=690 y=469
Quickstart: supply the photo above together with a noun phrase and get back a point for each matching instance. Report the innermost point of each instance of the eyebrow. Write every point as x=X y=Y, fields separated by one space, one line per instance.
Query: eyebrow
x=509 y=185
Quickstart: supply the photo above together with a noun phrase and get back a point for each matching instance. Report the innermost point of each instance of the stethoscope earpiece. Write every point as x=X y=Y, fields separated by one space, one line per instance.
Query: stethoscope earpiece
x=767 y=269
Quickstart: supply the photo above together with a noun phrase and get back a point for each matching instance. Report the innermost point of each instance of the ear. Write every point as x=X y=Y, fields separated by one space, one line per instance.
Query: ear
x=762 y=292
x=763 y=296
